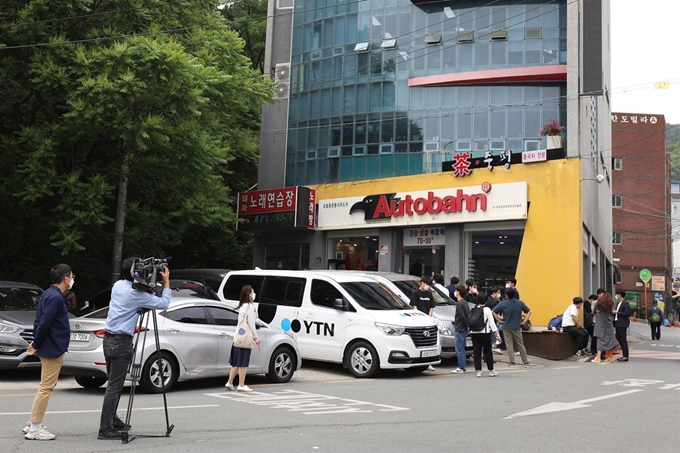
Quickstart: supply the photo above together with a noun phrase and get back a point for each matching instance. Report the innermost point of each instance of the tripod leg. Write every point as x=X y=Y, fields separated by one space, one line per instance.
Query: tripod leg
x=135 y=371
x=169 y=427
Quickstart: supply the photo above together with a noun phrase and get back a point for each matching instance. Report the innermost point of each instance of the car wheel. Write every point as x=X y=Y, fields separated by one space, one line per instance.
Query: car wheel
x=90 y=382
x=415 y=369
x=151 y=374
x=281 y=365
x=362 y=360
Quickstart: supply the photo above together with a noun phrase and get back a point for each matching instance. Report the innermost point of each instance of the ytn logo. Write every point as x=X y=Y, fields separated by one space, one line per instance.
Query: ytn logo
x=309 y=327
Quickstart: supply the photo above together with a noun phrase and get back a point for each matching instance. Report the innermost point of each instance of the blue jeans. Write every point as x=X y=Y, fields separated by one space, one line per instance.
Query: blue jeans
x=118 y=354
x=460 y=349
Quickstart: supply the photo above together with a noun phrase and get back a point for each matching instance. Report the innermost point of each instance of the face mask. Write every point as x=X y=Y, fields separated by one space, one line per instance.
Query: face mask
x=253 y=294
x=426 y=287
x=507 y=286
x=70 y=284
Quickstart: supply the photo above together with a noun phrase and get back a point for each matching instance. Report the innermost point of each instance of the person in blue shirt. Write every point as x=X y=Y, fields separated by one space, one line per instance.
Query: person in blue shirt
x=51 y=335
x=121 y=321
x=511 y=310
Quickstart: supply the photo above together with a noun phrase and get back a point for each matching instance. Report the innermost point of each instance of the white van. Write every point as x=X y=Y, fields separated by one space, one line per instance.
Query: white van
x=335 y=317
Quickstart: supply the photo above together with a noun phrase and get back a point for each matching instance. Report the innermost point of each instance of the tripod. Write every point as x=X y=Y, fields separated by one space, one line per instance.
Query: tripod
x=135 y=371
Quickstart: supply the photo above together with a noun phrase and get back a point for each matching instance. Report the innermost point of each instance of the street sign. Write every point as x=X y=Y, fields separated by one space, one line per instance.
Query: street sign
x=645 y=275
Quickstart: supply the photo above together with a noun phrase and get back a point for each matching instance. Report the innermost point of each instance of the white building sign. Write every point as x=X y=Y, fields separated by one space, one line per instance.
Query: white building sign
x=414 y=237
x=426 y=207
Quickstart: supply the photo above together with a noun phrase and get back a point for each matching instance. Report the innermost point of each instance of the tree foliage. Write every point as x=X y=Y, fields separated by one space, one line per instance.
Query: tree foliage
x=673 y=149
x=249 y=19
x=87 y=84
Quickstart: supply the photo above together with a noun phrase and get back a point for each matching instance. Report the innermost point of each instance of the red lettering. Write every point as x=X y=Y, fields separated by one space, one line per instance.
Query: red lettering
x=434 y=204
x=382 y=209
x=409 y=205
x=430 y=205
x=473 y=200
x=449 y=204
x=420 y=206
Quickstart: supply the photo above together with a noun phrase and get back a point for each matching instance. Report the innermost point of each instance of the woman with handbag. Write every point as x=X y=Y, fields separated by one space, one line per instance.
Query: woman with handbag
x=246 y=335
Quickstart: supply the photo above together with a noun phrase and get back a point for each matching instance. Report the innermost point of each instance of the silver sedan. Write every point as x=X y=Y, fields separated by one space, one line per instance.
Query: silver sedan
x=195 y=342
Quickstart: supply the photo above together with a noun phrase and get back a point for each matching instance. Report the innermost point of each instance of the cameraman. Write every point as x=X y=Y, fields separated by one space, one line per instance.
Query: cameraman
x=124 y=309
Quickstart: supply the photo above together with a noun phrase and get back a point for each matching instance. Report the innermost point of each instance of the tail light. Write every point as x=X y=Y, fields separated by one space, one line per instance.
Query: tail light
x=140 y=329
x=99 y=333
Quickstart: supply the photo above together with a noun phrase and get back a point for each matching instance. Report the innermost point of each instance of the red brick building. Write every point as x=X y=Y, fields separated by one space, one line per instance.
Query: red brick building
x=641 y=203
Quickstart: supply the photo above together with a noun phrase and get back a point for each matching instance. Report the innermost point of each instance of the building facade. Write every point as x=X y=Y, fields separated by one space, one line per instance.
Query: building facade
x=641 y=202
x=415 y=125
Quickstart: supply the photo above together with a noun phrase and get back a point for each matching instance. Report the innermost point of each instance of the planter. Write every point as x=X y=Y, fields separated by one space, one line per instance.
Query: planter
x=553 y=141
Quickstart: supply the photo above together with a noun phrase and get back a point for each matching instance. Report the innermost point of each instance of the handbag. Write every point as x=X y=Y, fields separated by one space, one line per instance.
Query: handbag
x=244 y=336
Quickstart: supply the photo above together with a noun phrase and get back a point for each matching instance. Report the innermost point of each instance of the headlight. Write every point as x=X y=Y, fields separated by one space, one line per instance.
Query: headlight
x=389 y=329
x=9 y=328
x=8 y=349
x=442 y=327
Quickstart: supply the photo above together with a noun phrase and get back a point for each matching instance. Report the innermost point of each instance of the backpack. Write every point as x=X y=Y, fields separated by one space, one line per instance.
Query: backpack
x=656 y=317
x=555 y=323
x=477 y=322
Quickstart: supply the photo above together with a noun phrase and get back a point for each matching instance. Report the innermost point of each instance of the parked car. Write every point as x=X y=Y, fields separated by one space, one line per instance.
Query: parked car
x=18 y=302
x=342 y=318
x=444 y=310
x=195 y=339
x=180 y=288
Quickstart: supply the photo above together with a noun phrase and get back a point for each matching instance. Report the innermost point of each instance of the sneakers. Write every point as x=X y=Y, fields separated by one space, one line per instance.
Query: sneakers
x=244 y=388
x=528 y=365
x=493 y=373
x=40 y=434
x=622 y=359
x=597 y=359
x=430 y=368
x=120 y=424
x=27 y=428
x=458 y=371
x=479 y=374
x=581 y=352
x=229 y=386
x=517 y=353
x=512 y=365
x=109 y=435
x=497 y=351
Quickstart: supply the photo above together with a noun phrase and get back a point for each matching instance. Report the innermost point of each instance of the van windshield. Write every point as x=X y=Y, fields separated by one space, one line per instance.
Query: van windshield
x=374 y=296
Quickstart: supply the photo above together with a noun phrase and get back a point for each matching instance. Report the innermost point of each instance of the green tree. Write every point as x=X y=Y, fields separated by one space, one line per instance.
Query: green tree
x=249 y=19
x=142 y=131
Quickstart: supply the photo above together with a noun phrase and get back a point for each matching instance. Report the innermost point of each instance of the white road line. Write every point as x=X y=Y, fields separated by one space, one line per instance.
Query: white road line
x=558 y=407
x=98 y=411
x=613 y=395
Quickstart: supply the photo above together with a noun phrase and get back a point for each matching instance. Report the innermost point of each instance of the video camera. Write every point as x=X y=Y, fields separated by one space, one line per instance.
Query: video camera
x=145 y=272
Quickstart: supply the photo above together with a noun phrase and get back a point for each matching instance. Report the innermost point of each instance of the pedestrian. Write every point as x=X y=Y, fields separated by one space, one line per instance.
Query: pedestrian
x=622 y=322
x=655 y=317
x=460 y=325
x=421 y=299
x=509 y=314
x=121 y=321
x=511 y=283
x=572 y=326
x=604 y=328
x=472 y=291
x=51 y=335
x=496 y=337
x=452 y=286
x=589 y=307
x=439 y=284
x=481 y=339
x=239 y=358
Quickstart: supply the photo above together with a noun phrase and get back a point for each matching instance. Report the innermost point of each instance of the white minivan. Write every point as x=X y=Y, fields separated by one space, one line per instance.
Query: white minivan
x=335 y=317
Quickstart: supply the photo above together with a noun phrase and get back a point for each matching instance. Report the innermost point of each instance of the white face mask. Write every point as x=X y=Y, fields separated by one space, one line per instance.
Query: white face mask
x=70 y=284
x=426 y=287
x=507 y=286
x=253 y=296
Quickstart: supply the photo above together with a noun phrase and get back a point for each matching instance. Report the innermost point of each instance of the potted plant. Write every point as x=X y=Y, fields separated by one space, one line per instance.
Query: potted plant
x=553 y=133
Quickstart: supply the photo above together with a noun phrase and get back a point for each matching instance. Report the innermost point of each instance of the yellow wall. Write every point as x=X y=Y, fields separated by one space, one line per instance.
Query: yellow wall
x=549 y=271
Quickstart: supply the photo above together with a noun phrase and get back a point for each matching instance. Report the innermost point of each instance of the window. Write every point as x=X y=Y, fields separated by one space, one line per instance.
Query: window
x=617 y=163
x=617 y=238
x=223 y=317
x=617 y=200
x=324 y=293
x=188 y=315
x=232 y=290
x=283 y=291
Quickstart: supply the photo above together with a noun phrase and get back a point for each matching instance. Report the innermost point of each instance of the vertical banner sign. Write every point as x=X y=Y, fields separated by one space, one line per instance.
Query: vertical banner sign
x=311 y=209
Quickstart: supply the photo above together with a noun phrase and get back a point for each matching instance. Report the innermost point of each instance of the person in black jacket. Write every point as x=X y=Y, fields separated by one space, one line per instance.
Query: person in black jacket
x=51 y=335
x=621 y=314
x=460 y=325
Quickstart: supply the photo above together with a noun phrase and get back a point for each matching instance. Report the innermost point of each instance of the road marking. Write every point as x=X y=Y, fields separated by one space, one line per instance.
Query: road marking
x=567 y=367
x=307 y=403
x=512 y=371
x=343 y=381
x=19 y=394
x=663 y=355
x=98 y=411
x=558 y=407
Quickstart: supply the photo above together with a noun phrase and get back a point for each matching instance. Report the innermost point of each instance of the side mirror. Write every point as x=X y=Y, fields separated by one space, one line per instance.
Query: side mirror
x=339 y=304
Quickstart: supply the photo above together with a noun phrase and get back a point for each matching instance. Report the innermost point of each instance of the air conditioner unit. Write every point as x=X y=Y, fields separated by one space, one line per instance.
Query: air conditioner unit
x=466 y=36
x=498 y=35
x=282 y=79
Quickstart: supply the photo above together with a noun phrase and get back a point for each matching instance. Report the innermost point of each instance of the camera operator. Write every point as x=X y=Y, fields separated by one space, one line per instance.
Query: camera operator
x=124 y=309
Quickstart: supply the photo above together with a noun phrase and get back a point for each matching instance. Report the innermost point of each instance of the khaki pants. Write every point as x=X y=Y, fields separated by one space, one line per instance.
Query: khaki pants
x=48 y=380
x=513 y=337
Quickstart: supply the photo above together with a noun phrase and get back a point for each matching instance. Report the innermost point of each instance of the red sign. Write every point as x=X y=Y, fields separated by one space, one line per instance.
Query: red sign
x=266 y=201
x=311 y=209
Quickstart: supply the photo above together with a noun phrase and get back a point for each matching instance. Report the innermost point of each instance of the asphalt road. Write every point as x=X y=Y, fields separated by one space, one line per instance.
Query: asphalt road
x=554 y=406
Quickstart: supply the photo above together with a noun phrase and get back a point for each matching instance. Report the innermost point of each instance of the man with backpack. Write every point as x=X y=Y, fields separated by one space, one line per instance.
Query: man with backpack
x=572 y=326
x=481 y=325
x=461 y=324
x=655 y=317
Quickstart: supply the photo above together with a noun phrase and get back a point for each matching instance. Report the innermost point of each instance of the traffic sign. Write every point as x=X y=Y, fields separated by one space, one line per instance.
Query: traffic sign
x=645 y=275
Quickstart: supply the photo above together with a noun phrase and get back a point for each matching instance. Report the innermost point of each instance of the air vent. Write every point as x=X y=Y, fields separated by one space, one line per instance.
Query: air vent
x=433 y=39
x=466 y=36
x=498 y=35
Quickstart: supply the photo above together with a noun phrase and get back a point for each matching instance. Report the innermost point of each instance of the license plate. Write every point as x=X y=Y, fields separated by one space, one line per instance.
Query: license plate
x=429 y=353
x=80 y=337
x=468 y=342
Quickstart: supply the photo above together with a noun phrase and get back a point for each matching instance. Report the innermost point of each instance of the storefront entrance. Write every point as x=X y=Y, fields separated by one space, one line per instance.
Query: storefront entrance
x=354 y=251
x=494 y=256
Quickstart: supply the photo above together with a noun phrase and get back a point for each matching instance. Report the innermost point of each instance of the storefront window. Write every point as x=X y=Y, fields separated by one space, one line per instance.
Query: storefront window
x=494 y=256
x=287 y=257
x=356 y=253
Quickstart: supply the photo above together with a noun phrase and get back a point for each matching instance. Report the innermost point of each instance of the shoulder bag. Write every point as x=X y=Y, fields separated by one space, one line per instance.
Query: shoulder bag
x=244 y=336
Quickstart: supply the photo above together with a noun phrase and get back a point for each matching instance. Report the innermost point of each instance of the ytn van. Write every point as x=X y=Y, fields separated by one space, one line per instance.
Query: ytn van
x=336 y=317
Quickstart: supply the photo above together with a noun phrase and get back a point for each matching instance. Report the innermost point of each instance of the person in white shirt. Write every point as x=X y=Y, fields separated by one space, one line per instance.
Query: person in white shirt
x=439 y=283
x=481 y=340
x=572 y=325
